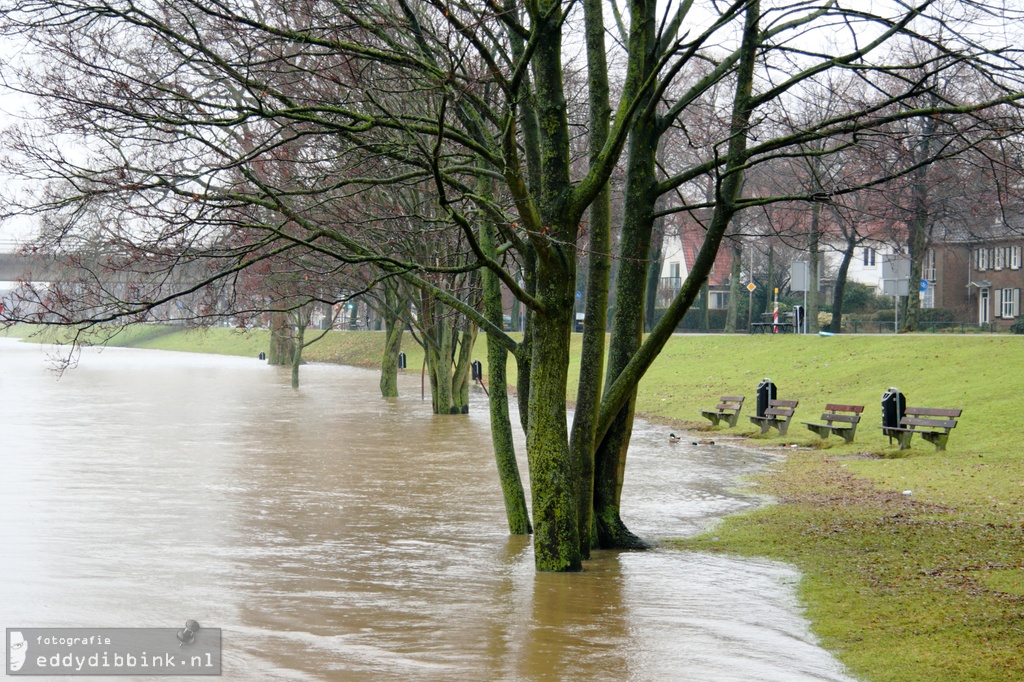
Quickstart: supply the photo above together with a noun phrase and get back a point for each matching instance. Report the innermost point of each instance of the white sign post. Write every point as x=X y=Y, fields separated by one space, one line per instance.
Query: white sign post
x=896 y=281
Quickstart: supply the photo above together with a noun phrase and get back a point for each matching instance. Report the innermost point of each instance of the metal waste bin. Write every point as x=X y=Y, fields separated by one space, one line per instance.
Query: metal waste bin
x=476 y=371
x=401 y=360
x=765 y=392
x=894 y=406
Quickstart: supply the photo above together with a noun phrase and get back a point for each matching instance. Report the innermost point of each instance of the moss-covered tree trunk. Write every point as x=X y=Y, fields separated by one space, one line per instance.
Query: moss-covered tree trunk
x=554 y=475
x=588 y=393
x=514 y=496
x=618 y=402
x=628 y=317
x=394 y=328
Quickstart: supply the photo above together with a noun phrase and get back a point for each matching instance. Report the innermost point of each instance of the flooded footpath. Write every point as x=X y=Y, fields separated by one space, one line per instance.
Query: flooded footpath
x=333 y=535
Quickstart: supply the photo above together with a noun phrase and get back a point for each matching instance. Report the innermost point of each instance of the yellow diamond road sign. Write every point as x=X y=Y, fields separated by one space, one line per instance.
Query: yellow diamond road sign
x=751 y=286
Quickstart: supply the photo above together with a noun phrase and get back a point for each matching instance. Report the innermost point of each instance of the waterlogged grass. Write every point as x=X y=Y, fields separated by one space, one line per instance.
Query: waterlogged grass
x=912 y=562
x=898 y=586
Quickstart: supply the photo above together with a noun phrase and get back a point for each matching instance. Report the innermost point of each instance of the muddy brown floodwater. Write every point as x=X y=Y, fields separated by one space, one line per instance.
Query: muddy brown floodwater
x=333 y=535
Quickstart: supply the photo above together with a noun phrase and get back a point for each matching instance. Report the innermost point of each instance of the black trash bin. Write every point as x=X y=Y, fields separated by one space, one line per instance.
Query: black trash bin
x=476 y=371
x=401 y=360
x=765 y=392
x=894 y=406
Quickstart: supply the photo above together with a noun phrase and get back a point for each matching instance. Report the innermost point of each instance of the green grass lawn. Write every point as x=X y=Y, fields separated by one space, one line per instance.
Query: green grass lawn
x=927 y=585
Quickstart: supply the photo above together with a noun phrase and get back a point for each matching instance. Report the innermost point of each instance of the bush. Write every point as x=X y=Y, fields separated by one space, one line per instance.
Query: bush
x=927 y=315
x=1017 y=327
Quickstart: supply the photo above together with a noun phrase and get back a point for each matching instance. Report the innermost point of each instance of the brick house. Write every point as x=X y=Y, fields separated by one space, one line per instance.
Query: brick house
x=979 y=277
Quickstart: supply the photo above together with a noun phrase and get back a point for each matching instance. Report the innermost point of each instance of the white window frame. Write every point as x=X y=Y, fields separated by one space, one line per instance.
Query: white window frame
x=869 y=257
x=929 y=265
x=718 y=300
x=998 y=259
x=1008 y=303
x=1015 y=258
x=981 y=259
x=928 y=297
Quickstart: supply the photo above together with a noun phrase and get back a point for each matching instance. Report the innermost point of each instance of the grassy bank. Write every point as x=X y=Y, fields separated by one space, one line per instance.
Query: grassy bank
x=920 y=586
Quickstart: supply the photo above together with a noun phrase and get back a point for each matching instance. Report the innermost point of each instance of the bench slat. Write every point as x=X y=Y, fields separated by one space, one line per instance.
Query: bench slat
x=844 y=408
x=848 y=418
x=933 y=412
x=931 y=423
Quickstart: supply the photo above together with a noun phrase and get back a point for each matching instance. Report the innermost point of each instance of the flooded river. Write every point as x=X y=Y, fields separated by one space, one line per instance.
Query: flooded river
x=333 y=535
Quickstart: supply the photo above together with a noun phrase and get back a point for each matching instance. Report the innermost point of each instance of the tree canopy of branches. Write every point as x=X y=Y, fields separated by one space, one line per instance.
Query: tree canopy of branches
x=226 y=134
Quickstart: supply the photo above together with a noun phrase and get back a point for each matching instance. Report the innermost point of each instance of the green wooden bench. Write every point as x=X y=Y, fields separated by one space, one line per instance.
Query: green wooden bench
x=841 y=420
x=778 y=414
x=932 y=423
x=727 y=409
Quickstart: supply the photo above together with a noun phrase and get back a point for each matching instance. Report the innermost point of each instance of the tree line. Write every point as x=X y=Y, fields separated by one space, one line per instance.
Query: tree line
x=252 y=158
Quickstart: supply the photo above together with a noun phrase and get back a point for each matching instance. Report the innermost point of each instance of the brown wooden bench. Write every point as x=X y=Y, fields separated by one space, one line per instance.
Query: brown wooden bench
x=841 y=420
x=727 y=409
x=778 y=414
x=933 y=423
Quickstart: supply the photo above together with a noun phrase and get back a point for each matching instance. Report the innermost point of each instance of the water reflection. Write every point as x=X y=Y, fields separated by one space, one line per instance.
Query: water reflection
x=334 y=535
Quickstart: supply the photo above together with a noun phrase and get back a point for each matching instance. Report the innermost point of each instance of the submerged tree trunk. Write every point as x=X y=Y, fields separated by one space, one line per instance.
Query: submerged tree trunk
x=302 y=319
x=554 y=475
x=461 y=377
x=514 y=496
x=282 y=338
x=588 y=392
x=627 y=320
x=394 y=328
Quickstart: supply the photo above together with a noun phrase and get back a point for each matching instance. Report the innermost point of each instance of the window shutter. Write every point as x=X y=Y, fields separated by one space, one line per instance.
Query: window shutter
x=1015 y=310
x=999 y=302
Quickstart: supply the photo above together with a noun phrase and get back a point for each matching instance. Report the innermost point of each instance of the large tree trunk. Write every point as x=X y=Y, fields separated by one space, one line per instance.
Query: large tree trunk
x=554 y=476
x=282 y=338
x=653 y=274
x=588 y=394
x=627 y=328
x=917 y=242
x=617 y=405
x=837 y=299
x=394 y=327
x=812 y=268
x=301 y=320
x=735 y=282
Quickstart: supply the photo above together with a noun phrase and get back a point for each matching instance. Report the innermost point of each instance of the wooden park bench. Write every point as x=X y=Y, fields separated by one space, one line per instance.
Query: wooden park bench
x=841 y=420
x=778 y=414
x=728 y=409
x=933 y=423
